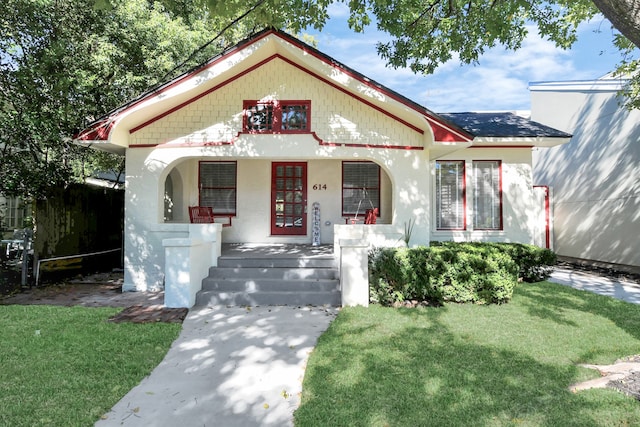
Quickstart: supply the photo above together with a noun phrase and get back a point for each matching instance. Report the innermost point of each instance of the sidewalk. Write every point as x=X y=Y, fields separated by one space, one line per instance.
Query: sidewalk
x=230 y=366
x=620 y=289
x=239 y=366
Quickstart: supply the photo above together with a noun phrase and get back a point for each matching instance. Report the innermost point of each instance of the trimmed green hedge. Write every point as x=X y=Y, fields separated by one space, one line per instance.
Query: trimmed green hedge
x=483 y=273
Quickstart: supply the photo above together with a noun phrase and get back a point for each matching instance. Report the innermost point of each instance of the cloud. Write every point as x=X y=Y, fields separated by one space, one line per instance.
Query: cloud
x=499 y=82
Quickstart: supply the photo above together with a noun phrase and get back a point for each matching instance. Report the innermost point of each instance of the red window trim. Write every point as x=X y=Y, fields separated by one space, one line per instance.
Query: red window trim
x=464 y=196
x=500 y=200
x=347 y=214
x=277 y=115
x=230 y=214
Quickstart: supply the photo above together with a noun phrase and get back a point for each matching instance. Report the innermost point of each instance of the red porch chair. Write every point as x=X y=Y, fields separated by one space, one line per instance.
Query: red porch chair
x=204 y=215
x=371 y=216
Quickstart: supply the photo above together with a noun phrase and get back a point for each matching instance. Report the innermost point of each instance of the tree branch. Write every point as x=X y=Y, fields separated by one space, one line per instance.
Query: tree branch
x=426 y=10
x=624 y=15
x=207 y=44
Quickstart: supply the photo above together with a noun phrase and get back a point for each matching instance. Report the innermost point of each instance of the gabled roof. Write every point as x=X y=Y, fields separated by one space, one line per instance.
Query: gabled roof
x=111 y=131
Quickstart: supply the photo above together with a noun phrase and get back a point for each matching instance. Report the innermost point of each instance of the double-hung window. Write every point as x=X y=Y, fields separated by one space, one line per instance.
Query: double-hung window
x=12 y=213
x=487 y=195
x=277 y=116
x=218 y=187
x=450 y=195
x=360 y=187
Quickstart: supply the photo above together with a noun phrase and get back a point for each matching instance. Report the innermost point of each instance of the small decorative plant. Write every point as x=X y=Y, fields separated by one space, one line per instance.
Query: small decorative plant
x=408 y=230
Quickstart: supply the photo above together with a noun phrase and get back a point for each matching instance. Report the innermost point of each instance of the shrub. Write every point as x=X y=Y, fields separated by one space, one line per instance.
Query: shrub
x=441 y=273
x=535 y=264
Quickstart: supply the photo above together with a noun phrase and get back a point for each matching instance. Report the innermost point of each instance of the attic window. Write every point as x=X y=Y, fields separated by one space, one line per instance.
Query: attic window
x=277 y=116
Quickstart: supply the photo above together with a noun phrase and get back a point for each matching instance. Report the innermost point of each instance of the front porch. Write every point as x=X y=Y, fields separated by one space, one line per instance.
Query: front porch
x=272 y=274
x=200 y=271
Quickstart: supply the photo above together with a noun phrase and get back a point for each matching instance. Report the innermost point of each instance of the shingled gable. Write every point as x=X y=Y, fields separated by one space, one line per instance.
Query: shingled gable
x=110 y=132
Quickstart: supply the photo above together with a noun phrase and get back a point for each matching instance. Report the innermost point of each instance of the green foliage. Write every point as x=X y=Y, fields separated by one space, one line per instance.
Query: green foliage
x=469 y=365
x=535 y=263
x=62 y=64
x=476 y=274
x=69 y=366
x=427 y=35
x=471 y=272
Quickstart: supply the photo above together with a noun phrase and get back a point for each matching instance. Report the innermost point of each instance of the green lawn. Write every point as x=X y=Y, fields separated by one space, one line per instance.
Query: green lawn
x=465 y=365
x=68 y=365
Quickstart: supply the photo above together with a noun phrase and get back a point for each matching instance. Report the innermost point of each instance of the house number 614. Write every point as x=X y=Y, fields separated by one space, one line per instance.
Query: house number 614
x=319 y=186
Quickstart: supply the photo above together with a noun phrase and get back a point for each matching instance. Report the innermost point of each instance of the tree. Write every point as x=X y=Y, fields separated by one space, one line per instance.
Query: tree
x=624 y=15
x=63 y=64
x=427 y=33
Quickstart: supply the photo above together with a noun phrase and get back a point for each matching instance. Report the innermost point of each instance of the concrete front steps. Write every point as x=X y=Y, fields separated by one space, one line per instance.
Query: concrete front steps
x=282 y=280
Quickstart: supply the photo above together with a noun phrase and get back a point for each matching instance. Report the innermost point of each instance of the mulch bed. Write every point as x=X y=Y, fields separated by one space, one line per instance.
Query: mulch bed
x=629 y=385
x=150 y=314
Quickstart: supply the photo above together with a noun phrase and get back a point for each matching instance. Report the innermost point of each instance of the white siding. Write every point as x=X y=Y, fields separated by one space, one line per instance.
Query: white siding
x=595 y=177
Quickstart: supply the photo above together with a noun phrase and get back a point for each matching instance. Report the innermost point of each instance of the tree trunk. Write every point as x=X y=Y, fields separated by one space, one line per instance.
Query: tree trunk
x=624 y=15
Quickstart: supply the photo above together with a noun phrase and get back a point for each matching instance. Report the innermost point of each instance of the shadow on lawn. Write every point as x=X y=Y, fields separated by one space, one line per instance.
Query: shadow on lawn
x=549 y=301
x=427 y=375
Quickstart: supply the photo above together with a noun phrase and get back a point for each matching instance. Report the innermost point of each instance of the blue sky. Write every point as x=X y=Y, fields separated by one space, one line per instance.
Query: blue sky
x=499 y=82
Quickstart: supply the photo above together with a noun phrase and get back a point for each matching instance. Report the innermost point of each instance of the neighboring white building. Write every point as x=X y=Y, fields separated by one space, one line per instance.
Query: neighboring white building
x=595 y=178
x=272 y=126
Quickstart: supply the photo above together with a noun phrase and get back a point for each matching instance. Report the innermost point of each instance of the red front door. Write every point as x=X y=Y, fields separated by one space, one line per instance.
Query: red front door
x=289 y=198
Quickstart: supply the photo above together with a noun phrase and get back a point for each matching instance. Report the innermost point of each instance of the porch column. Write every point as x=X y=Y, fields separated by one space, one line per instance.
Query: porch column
x=209 y=233
x=187 y=262
x=354 y=272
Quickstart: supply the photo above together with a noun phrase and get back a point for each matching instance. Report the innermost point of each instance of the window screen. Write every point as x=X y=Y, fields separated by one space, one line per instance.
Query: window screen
x=360 y=187
x=450 y=195
x=487 y=195
x=218 y=186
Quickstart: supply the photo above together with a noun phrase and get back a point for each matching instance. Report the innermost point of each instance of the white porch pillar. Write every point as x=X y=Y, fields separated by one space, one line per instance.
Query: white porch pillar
x=187 y=262
x=354 y=272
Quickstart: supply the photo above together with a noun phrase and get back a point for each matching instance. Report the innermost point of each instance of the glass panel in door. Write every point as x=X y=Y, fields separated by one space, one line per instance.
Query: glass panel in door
x=289 y=198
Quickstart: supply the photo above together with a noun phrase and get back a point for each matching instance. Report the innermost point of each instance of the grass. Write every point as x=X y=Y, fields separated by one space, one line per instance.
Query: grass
x=68 y=365
x=460 y=365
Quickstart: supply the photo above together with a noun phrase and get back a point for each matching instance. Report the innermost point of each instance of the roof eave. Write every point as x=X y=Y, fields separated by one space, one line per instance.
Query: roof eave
x=107 y=146
x=523 y=141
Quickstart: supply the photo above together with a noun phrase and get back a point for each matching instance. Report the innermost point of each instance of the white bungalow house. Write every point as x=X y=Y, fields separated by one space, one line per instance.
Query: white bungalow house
x=289 y=146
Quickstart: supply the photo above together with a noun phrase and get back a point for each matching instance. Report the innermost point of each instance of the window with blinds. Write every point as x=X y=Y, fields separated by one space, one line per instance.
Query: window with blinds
x=450 y=195
x=360 y=187
x=487 y=195
x=218 y=186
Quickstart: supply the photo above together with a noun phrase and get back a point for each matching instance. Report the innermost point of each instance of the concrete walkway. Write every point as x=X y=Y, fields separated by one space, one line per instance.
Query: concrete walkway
x=238 y=366
x=624 y=290
x=230 y=366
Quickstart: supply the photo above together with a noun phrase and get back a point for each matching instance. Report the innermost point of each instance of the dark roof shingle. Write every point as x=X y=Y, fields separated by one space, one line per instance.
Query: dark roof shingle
x=502 y=125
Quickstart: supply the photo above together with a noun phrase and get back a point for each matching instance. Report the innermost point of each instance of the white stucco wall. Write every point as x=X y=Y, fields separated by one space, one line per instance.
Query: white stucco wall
x=519 y=213
x=596 y=177
x=344 y=128
x=406 y=193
